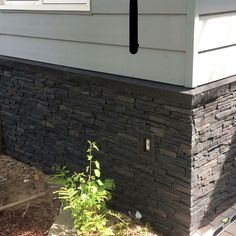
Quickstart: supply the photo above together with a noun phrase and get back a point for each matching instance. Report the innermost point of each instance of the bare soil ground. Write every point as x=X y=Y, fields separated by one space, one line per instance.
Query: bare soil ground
x=19 y=181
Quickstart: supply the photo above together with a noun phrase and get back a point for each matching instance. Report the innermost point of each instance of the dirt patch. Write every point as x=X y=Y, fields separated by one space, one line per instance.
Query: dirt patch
x=19 y=181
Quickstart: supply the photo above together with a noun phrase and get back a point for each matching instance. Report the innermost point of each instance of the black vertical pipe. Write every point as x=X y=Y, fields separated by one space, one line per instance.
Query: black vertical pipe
x=133 y=27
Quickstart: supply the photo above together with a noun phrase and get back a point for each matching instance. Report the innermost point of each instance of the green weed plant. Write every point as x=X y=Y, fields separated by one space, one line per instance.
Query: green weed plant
x=85 y=195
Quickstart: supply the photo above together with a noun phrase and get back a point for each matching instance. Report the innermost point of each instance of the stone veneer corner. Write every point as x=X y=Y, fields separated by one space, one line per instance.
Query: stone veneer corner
x=47 y=114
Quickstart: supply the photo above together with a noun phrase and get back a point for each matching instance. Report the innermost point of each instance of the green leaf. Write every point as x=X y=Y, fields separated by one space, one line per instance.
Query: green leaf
x=108 y=232
x=97 y=165
x=87 y=169
x=226 y=220
x=67 y=207
x=97 y=173
x=95 y=146
x=94 y=189
x=100 y=183
x=109 y=184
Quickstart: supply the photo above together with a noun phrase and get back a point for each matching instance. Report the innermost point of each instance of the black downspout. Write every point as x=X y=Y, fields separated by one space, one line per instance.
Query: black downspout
x=133 y=27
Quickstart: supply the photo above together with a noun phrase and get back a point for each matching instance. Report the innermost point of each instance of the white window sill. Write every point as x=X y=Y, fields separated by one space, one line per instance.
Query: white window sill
x=80 y=8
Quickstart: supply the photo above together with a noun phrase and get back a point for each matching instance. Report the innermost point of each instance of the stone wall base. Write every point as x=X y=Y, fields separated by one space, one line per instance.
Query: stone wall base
x=48 y=113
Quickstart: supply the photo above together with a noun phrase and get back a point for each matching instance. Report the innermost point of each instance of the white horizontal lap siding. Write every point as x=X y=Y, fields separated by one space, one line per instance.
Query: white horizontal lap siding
x=216 y=6
x=216 y=64
x=155 y=31
x=217 y=31
x=115 y=60
x=145 y=6
x=77 y=40
x=216 y=41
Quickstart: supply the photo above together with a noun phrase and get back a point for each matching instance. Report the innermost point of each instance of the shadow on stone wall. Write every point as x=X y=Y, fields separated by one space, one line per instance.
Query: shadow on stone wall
x=221 y=184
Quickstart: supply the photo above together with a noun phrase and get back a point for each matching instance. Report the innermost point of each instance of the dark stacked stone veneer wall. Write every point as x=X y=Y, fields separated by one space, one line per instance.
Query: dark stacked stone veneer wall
x=47 y=114
x=213 y=152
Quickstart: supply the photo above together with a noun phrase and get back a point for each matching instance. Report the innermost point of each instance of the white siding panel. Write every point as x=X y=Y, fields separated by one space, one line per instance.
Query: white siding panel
x=215 y=36
x=215 y=65
x=163 y=66
x=145 y=6
x=216 y=6
x=217 y=31
x=155 y=31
